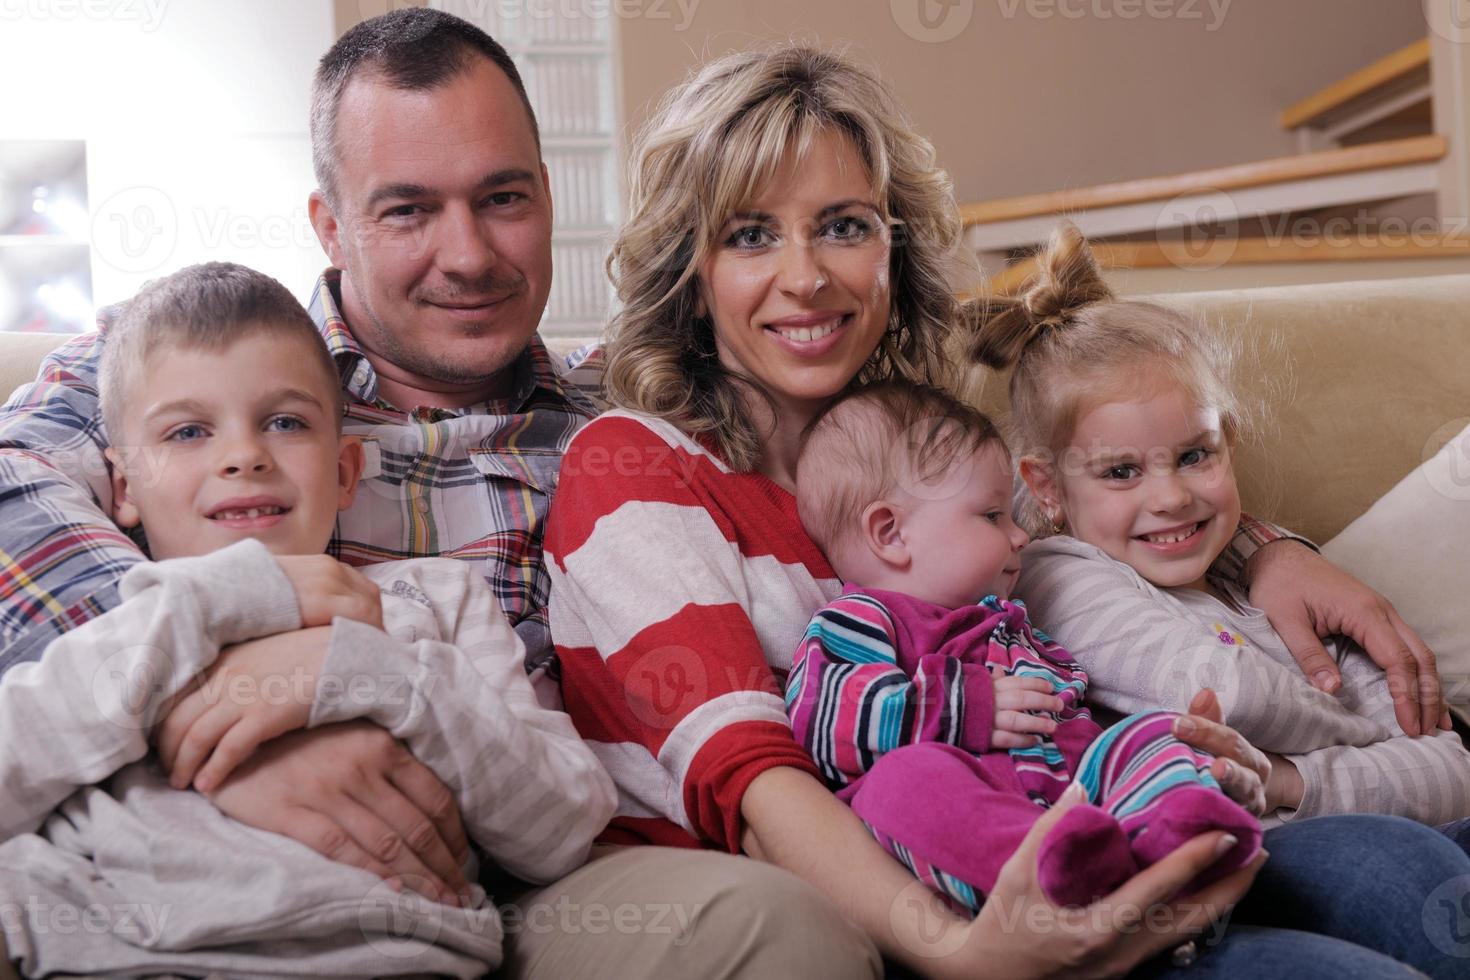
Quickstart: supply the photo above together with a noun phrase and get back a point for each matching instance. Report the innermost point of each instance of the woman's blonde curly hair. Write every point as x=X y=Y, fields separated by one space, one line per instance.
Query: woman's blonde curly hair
x=709 y=149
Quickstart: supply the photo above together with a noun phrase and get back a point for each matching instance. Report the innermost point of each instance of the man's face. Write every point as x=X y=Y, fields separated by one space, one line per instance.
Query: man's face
x=442 y=224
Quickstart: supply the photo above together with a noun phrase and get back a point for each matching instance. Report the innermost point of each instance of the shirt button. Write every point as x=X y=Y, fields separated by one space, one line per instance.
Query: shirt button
x=359 y=377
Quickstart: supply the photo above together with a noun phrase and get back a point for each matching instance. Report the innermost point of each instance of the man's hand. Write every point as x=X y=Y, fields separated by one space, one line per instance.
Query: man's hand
x=326 y=588
x=1306 y=598
x=353 y=793
x=1021 y=704
x=253 y=692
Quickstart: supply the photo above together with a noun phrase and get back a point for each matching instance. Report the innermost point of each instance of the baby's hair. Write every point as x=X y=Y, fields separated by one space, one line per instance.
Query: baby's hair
x=202 y=307
x=1073 y=345
x=867 y=441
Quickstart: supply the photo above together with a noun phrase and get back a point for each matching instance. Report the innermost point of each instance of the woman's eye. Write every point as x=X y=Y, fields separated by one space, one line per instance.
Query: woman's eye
x=751 y=236
x=186 y=433
x=849 y=229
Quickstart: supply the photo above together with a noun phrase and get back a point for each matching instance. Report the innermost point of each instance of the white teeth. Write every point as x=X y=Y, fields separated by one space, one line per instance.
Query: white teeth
x=1173 y=538
x=805 y=334
x=249 y=513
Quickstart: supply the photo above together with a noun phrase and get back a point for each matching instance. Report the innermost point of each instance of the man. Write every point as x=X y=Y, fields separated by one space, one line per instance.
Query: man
x=435 y=210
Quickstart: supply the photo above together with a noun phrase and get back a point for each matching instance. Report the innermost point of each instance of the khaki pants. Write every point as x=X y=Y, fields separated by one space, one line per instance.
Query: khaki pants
x=662 y=912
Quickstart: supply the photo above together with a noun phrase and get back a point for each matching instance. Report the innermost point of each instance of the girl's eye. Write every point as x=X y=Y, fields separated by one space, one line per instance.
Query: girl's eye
x=1121 y=472
x=186 y=433
x=849 y=229
x=1194 y=457
x=286 y=423
x=751 y=236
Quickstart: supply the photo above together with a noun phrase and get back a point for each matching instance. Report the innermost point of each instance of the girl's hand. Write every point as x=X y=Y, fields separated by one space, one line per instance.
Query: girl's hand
x=326 y=588
x=252 y=693
x=1242 y=770
x=1306 y=597
x=1020 y=703
x=1019 y=933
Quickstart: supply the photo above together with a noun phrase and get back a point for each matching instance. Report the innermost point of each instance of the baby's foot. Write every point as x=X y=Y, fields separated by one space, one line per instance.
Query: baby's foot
x=1084 y=857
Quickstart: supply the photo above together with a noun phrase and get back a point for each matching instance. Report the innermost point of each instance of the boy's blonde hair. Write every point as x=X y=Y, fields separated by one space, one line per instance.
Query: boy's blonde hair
x=1073 y=346
x=712 y=145
x=202 y=307
x=874 y=439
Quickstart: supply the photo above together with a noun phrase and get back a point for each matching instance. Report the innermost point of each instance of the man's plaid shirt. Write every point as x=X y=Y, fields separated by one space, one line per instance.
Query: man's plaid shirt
x=472 y=484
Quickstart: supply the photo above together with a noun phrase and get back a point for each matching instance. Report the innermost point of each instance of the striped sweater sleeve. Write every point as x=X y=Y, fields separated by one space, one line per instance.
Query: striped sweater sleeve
x=652 y=594
x=850 y=701
x=531 y=792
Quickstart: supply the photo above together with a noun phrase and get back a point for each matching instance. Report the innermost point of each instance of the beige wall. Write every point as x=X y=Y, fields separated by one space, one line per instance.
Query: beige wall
x=1027 y=99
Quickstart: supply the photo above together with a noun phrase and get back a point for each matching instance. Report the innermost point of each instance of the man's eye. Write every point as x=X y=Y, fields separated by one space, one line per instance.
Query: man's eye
x=402 y=211
x=504 y=199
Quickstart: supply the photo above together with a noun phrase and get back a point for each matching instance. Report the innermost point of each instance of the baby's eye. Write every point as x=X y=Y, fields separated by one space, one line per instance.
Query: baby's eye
x=186 y=433
x=994 y=516
x=286 y=423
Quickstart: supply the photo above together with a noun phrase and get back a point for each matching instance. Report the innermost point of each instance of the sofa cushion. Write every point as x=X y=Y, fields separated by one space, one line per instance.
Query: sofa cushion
x=1413 y=545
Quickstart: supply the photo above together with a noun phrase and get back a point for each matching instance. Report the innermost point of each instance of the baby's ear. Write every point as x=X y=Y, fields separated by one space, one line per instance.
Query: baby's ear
x=881 y=527
x=124 y=511
x=350 y=461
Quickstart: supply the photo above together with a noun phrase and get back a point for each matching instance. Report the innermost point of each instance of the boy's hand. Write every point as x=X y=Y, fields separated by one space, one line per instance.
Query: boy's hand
x=1019 y=706
x=252 y=693
x=326 y=588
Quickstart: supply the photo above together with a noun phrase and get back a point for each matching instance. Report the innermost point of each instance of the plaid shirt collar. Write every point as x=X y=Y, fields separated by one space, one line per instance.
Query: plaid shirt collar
x=535 y=368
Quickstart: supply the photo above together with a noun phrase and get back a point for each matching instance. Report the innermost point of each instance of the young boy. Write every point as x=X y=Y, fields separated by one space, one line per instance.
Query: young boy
x=225 y=411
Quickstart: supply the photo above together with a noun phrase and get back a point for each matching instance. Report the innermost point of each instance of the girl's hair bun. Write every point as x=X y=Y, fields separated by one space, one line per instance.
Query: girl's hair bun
x=1067 y=279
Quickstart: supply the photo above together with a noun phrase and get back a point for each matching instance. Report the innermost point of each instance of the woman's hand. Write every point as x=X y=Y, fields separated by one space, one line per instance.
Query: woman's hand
x=1306 y=597
x=1021 y=704
x=1019 y=933
x=1242 y=770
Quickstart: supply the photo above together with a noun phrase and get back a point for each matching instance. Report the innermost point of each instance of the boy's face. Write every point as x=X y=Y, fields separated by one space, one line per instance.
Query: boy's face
x=238 y=443
x=959 y=534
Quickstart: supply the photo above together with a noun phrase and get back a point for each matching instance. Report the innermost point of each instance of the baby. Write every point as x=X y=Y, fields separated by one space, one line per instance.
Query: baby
x=225 y=409
x=942 y=716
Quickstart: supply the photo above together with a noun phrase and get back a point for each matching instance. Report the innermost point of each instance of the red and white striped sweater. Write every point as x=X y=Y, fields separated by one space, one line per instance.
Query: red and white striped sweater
x=679 y=592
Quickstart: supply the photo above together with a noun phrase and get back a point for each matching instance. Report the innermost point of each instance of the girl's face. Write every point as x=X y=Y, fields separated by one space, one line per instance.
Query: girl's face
x=1150 y=483
x=797 y=283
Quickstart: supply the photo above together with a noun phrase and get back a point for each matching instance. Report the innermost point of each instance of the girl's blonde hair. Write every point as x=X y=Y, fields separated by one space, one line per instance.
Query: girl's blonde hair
x=1073 y=345
x=708 y=150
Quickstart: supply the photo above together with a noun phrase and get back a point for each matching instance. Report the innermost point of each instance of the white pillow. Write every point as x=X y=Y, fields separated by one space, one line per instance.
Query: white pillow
x=1413 y=545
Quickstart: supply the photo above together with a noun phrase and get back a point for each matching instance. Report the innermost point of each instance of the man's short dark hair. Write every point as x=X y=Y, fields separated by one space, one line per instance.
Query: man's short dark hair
x=202 y=307
x=414 y=49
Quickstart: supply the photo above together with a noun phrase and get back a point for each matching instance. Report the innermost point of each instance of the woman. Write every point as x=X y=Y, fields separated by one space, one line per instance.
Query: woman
x=788 y=236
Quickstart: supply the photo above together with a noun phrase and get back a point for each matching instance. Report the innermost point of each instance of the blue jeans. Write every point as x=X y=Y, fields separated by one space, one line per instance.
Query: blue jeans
x=1345 y=897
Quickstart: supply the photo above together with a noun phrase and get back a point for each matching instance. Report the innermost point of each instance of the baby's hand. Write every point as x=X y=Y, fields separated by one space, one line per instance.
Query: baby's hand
x=252 y=693
x=325 y=588
x=1019 y=703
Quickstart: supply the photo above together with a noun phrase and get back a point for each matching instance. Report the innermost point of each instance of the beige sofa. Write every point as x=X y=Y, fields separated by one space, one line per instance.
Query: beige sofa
x=1363 y=382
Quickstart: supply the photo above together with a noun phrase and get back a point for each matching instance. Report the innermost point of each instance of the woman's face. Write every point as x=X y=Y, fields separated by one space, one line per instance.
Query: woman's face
x=797 y=283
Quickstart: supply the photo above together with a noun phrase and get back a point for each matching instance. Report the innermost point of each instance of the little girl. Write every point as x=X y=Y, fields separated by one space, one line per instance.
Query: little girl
x=1125 y=425
x=946 y=721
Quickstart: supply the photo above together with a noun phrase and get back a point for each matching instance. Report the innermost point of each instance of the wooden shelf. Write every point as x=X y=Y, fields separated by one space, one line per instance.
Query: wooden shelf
x=1361 y=82
x=1370 y=156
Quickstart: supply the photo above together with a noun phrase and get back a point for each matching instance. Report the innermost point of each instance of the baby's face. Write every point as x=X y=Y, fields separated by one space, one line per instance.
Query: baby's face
x=959 y=534
x=238 y=443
